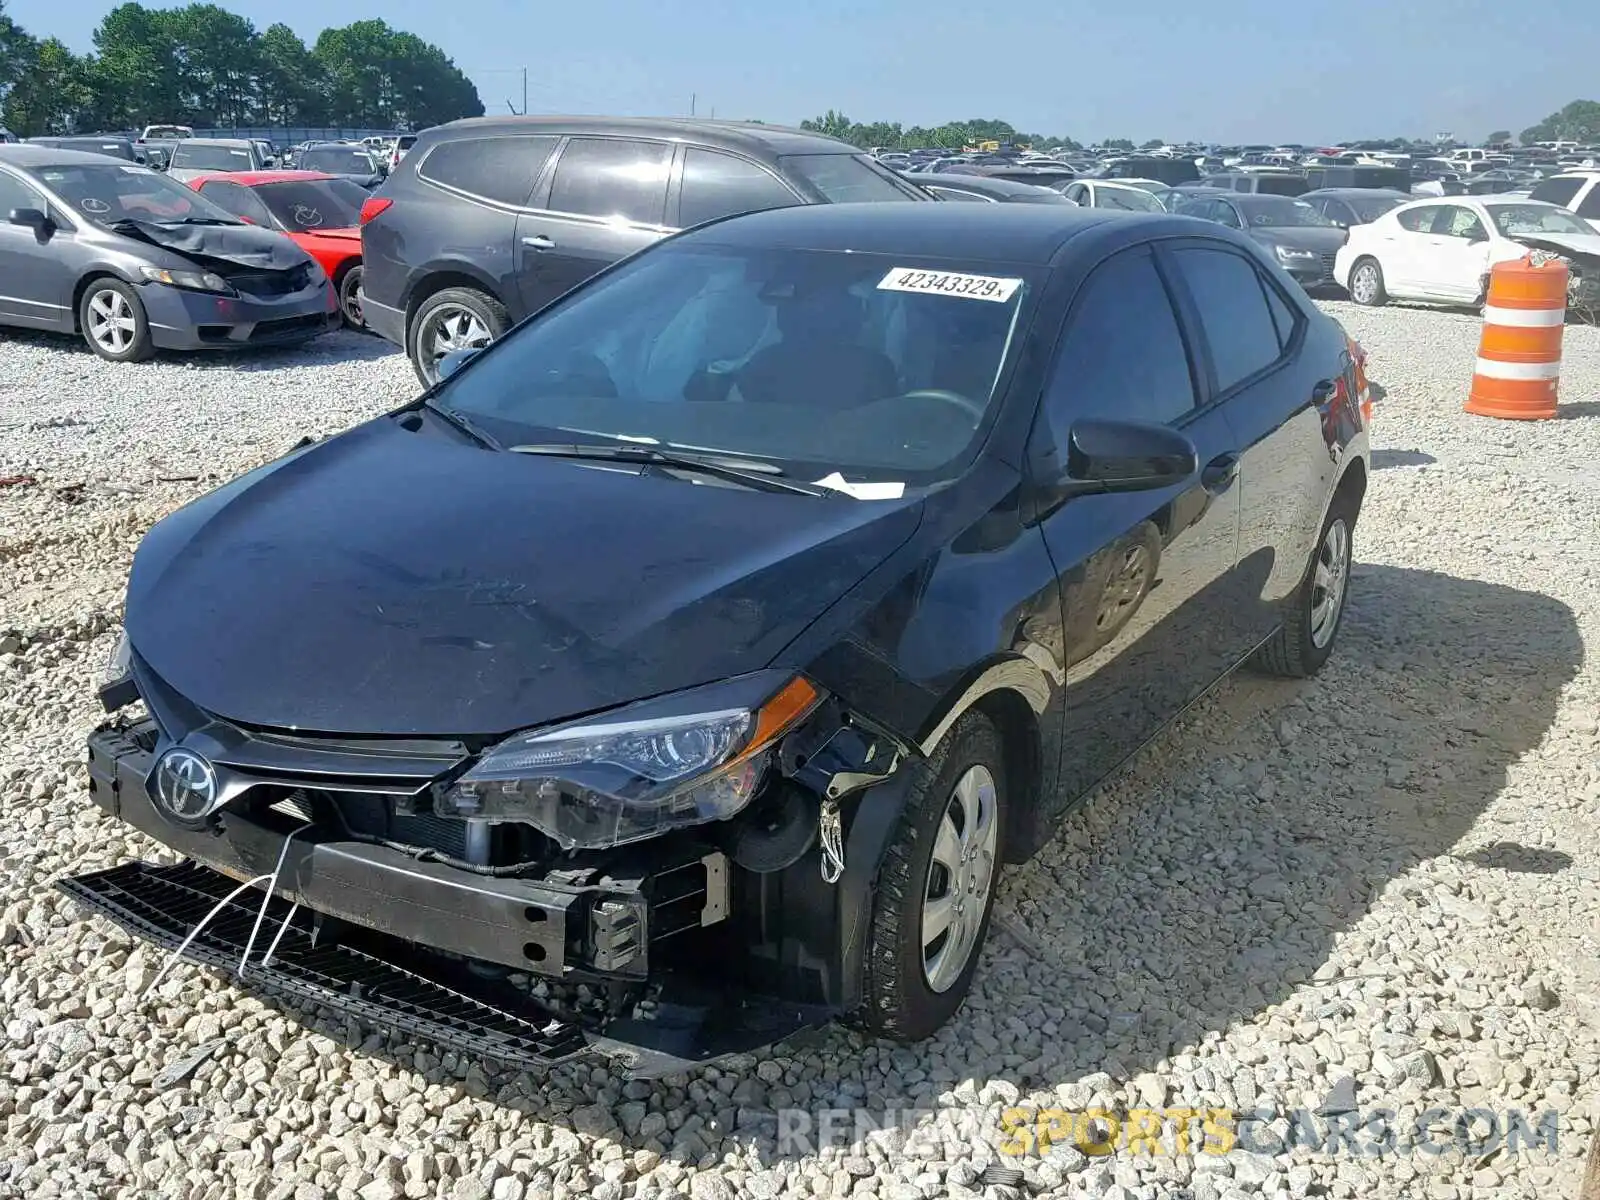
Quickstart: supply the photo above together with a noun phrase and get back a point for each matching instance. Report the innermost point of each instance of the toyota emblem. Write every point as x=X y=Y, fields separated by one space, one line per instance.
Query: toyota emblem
x=185 y=785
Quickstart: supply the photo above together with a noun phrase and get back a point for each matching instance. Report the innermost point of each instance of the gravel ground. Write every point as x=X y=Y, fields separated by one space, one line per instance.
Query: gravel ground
x=1377 y=888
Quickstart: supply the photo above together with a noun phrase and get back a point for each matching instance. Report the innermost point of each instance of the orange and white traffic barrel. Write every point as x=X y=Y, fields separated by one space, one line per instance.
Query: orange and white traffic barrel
x=1519 y=353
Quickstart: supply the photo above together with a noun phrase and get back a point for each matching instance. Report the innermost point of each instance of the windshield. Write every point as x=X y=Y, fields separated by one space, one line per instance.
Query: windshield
x=112 y=193
x=843 y=178
x=1282 y=213
x=1524 y=220
x=1370 y=208
x=818 y=361
x=314 y=203
x=212 y=158
x=339 y=160
x=1131 y=199
x=167 y=131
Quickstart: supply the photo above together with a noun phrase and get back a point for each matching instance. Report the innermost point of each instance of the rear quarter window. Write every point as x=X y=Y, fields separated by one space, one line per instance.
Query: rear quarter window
x=502 y=169
x=1556 y=191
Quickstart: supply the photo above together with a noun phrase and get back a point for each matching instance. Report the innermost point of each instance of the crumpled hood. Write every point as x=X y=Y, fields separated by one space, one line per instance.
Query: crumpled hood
x=1585 y=249
x=389 y=582
x=240 y=245
x=1307 y=237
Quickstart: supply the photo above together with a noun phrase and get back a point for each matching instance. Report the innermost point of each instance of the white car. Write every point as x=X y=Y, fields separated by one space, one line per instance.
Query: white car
x=1441 y=250
x=1112 y=193
x=1576 y=191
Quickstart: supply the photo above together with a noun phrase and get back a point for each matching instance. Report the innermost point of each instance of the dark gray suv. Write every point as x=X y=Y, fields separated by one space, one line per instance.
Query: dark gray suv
x=488 y=220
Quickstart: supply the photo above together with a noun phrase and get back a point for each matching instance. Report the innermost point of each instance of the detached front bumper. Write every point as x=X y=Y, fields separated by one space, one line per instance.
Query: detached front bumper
x=402 y=943
x=185 y=320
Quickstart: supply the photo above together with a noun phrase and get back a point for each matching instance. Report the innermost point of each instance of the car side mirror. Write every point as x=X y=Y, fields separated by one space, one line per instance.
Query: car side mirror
x=456 y=359
x=1126 y=456
x=35 y=219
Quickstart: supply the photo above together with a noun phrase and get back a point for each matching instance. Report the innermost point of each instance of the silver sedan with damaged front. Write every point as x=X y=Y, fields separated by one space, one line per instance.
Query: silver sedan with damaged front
x=135 y=262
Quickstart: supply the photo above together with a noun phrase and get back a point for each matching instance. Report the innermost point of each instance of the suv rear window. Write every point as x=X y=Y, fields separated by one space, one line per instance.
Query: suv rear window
x=613 y=177
x=1556 y=191
x=496 y=168
x=844 y=178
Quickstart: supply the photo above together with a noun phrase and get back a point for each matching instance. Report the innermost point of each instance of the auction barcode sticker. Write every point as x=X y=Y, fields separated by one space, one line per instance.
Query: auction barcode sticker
x=950 y=283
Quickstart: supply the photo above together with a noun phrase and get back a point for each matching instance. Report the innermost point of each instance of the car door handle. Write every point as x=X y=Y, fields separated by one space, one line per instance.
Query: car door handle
x=539 y=242
x=1220 y=473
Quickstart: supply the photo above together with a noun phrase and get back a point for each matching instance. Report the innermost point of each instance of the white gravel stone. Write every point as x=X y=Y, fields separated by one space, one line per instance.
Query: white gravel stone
x=1379 y=886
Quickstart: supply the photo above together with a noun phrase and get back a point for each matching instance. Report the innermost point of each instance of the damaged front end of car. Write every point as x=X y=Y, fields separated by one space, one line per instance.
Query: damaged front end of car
x=665 y=883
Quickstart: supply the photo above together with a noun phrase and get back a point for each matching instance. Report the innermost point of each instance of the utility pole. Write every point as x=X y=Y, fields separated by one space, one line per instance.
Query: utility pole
x=524 y=91
x=693 y=96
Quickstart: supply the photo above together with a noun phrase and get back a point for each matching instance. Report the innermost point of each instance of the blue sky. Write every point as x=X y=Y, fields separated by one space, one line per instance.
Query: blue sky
x=1248 y=70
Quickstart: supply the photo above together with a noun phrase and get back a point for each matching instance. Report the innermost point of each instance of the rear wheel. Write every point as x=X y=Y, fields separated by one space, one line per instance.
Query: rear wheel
x=1305 y=640
x=936 y=887
x=350 y=298
x=113 y=321
x=1366 y=283
x=453 y=319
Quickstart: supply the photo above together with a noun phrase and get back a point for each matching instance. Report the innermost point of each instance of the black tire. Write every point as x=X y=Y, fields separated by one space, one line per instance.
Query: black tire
x=350 y=298
x=897 y=999
x=1300 y=647
x=489 y=314
x=1379 y=296
x=105 y=310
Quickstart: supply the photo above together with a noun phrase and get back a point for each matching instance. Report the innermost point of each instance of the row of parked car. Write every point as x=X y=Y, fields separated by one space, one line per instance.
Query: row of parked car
x=485 y=221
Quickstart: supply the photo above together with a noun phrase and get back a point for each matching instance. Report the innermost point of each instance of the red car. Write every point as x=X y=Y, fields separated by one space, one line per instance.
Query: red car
x=320 y=212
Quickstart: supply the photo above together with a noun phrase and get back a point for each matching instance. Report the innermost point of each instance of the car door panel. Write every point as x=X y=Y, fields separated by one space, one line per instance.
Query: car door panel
x=35 y=277
x=1136 y=649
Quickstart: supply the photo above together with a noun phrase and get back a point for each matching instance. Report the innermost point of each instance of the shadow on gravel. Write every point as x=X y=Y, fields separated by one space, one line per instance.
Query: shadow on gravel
x=1573 y=412
x=1384 y=459
x=1525 y=860
x=1154 y=930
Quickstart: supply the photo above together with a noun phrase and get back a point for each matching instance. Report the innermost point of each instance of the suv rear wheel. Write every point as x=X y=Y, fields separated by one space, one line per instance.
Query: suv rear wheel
x=457 y=318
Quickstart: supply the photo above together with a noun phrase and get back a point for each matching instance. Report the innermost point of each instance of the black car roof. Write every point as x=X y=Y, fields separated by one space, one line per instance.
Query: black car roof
x=1016 y=233
x=732 y=135
x=20 y=154
x=989 y=185
x=1344 y=193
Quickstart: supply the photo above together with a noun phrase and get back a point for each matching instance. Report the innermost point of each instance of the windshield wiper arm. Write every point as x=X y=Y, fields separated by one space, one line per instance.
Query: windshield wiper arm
x=758 y=475
x=201 y=221
x=463 y=423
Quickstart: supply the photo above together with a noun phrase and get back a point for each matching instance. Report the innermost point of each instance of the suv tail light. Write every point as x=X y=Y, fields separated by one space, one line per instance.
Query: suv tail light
x=372 y=206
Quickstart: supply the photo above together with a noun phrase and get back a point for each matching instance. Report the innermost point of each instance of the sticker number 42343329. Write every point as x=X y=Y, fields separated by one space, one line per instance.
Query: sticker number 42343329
x=950 y=283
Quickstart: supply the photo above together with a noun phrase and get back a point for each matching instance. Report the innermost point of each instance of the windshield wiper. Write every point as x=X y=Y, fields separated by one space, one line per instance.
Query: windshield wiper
x=758 y=475
x=463 y=423
x=200 y=221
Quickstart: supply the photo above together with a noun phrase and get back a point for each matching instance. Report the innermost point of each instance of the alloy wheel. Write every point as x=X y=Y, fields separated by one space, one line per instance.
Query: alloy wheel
x=1364 y=284
x=960 y=874
x=111 y=321
x=352 y=300
x=1329 y=577
x=452 y=327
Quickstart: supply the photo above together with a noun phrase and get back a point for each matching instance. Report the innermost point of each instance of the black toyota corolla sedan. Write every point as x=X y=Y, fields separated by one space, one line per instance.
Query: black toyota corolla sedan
x=682 y=669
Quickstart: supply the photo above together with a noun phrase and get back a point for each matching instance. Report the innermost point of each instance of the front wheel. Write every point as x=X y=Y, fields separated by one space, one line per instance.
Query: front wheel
x=936 y=887
x=1366 y=283
x=1305 y=640
x=114 y=323
x=453 y=319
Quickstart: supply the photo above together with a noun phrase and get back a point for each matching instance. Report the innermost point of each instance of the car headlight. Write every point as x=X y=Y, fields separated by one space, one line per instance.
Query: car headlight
x=119 y=664
x=194 y=281
x=641 y=770
x=1291 y=254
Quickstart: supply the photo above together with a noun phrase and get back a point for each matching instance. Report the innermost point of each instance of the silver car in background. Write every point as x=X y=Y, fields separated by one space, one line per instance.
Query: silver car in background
x=135 y=261
x=199 y=156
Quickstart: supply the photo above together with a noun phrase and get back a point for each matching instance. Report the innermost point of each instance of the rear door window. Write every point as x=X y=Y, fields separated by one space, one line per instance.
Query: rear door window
x=502 y=169
x=1417 y=220
x=719 y=185
x=613 y=177
x=1234 y=316
x=1589 y=206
